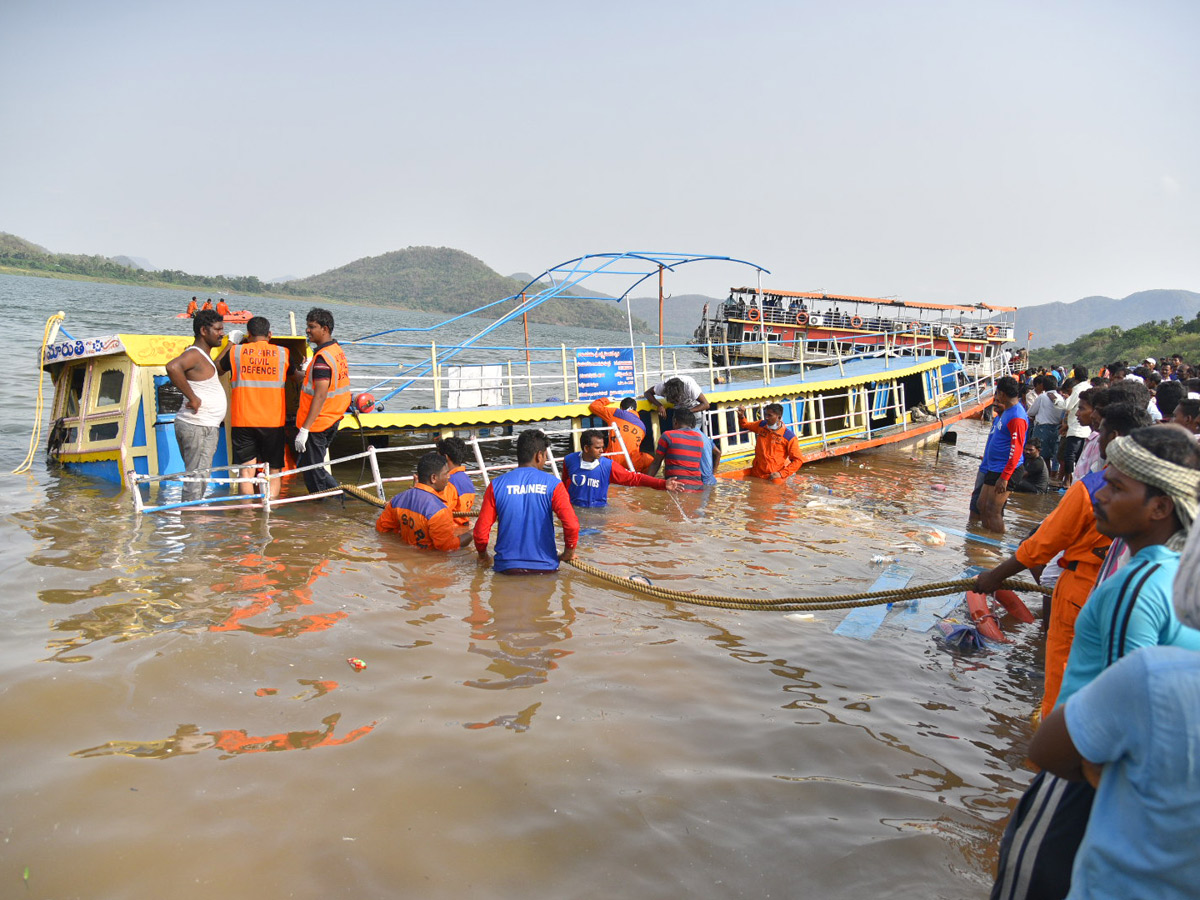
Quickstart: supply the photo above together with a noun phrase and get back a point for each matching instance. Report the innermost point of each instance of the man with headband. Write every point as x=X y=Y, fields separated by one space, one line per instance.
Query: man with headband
x=1148 y=500
x=1138 y=725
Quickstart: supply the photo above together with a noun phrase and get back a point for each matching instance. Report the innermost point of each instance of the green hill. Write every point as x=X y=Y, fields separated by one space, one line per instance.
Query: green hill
x=433 y=279
x=1112 y=343
x=440 y=279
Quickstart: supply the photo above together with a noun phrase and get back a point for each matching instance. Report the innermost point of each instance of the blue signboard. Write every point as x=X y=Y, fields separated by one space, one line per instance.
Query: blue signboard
x=605 y=372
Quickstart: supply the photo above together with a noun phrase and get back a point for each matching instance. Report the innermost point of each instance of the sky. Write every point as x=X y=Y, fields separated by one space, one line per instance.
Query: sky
x=1011 y=152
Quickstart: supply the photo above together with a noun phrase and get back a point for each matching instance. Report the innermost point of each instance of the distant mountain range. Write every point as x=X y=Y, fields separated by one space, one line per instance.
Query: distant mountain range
x=1061 y=323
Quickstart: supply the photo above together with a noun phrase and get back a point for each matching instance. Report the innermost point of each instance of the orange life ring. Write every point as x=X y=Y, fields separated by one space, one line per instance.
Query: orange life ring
x=915 y=326
x=856 y=322
x=801 y=318
x=991 y=331
x=958 y=331
x=753 y=314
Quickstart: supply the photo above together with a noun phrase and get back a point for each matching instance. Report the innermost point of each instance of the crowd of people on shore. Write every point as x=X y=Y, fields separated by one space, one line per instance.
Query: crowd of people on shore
x=1113 y=810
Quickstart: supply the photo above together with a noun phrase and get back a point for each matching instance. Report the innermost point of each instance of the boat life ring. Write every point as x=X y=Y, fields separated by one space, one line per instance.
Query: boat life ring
x=916 y=327
x=958 y=331
x=856 y=322
x=816 y=320
x=991 y=331
x=801 y=318
x=753 y=314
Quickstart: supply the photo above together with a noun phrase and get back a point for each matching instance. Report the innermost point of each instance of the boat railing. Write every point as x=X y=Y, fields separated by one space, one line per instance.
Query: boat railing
x=372 y=455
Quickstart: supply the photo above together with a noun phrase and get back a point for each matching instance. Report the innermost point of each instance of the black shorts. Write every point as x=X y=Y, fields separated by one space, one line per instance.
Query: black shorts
x=991 y=477
x=264 y=445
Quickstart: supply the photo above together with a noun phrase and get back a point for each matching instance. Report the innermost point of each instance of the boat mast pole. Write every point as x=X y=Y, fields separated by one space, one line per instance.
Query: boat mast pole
x=661 y=341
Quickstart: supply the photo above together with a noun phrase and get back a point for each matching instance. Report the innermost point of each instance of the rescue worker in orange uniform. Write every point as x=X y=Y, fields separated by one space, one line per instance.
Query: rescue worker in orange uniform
x=222 y=307
x=258 y=384
x=324 y=399
x=630 y=428
x=192 y=307
x=207 y=303
x=776 y=447
x=1071 y=530
x=419 y=515
x=459 y=492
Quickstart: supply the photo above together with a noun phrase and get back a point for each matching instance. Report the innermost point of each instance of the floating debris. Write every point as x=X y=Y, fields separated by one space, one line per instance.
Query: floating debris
x=356 y=664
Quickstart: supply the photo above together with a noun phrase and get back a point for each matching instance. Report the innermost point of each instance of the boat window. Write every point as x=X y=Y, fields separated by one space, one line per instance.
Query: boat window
x=104 y=431
x=111 y=390
x=77 y=374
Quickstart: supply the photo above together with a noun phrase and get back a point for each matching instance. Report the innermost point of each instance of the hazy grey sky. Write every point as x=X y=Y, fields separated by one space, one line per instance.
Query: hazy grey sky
x=1012 y=152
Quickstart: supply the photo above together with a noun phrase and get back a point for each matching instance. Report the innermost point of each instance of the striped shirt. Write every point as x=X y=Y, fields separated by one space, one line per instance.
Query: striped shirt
x=688 y=456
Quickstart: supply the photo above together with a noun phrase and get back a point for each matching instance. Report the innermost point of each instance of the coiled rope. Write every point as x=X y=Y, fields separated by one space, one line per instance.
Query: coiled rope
x=36 y=437
x=783 y=604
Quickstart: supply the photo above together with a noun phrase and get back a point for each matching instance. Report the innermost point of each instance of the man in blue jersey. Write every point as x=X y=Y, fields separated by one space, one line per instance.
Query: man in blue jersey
x=690 y=455
x=1149 y=501
x=1002 y=454
x=524 y=503
x=588 y=473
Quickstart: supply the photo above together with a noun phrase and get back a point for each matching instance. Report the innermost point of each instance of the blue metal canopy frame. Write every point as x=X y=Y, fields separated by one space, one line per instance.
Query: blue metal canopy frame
x=559 y=282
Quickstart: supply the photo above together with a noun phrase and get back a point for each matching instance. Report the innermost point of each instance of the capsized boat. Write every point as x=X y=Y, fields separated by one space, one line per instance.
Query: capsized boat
x=114 y=406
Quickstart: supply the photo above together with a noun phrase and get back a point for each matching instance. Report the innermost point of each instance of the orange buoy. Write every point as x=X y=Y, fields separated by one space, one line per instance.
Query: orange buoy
x=984 y=619
x=915 y=326
x=856 y=322
x=991 y=331
x=753 y=314
x=801 y=318
x=1014 y=605
x=958 y=331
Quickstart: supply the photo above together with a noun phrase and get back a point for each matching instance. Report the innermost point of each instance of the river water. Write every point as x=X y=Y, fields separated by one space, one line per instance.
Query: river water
x=180 y=719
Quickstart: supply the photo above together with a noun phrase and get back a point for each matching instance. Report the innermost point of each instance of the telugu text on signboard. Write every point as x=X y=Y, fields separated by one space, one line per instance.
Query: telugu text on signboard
x=605 y=372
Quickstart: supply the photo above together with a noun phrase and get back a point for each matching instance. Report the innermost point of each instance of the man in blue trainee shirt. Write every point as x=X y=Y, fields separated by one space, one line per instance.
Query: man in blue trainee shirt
x=524 y=503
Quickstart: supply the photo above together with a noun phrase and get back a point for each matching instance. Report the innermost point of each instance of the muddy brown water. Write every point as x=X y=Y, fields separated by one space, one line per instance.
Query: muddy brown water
x=180 y=718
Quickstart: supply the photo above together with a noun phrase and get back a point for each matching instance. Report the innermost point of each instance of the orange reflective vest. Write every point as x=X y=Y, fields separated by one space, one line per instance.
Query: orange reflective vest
x=192 y=307
x=223 y=307
x=337 y=401
x=258 y=372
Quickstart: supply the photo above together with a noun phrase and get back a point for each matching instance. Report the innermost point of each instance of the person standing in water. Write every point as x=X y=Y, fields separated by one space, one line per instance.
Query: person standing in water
x=198 y=422
x=524 y=503
x=588 y=473
x=776 y=447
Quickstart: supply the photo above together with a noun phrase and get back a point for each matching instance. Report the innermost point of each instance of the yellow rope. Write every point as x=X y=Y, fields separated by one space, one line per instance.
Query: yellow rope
x=367 y=497
x=793 y=604
x=785 y=604
x=36 y=437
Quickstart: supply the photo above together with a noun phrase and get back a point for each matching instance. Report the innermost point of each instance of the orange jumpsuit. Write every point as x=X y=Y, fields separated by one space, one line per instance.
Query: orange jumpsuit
x=459 y=494
x=421 y=518
x=774 y=451
x=1071 y=530
x=631 y=428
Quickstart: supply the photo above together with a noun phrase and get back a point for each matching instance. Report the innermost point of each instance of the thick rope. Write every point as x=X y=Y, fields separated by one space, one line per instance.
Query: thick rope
x=785 y=604
x=368 y=497
x=35 y=438
x=795 y=604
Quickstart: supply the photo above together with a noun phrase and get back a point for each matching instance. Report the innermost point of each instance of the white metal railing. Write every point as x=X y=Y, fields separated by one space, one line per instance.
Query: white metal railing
x=372 y=454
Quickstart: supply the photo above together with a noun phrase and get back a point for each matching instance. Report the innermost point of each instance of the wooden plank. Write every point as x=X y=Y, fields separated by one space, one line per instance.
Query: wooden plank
x=861 y=623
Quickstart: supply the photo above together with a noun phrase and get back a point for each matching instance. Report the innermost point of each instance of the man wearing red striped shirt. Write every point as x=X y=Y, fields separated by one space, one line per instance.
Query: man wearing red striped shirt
x=690 y=455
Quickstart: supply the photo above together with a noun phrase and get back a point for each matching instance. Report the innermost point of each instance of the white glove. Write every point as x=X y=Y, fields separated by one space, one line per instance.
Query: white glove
x=236 y=337
x=301 y=440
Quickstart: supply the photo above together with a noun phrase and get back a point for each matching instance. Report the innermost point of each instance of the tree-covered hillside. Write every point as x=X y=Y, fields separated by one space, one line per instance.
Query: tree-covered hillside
x=433 y=279
x=440 y=279
x=1112 y=343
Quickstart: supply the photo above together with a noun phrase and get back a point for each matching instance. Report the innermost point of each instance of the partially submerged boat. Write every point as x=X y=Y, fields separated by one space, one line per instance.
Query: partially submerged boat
x=113 y=408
